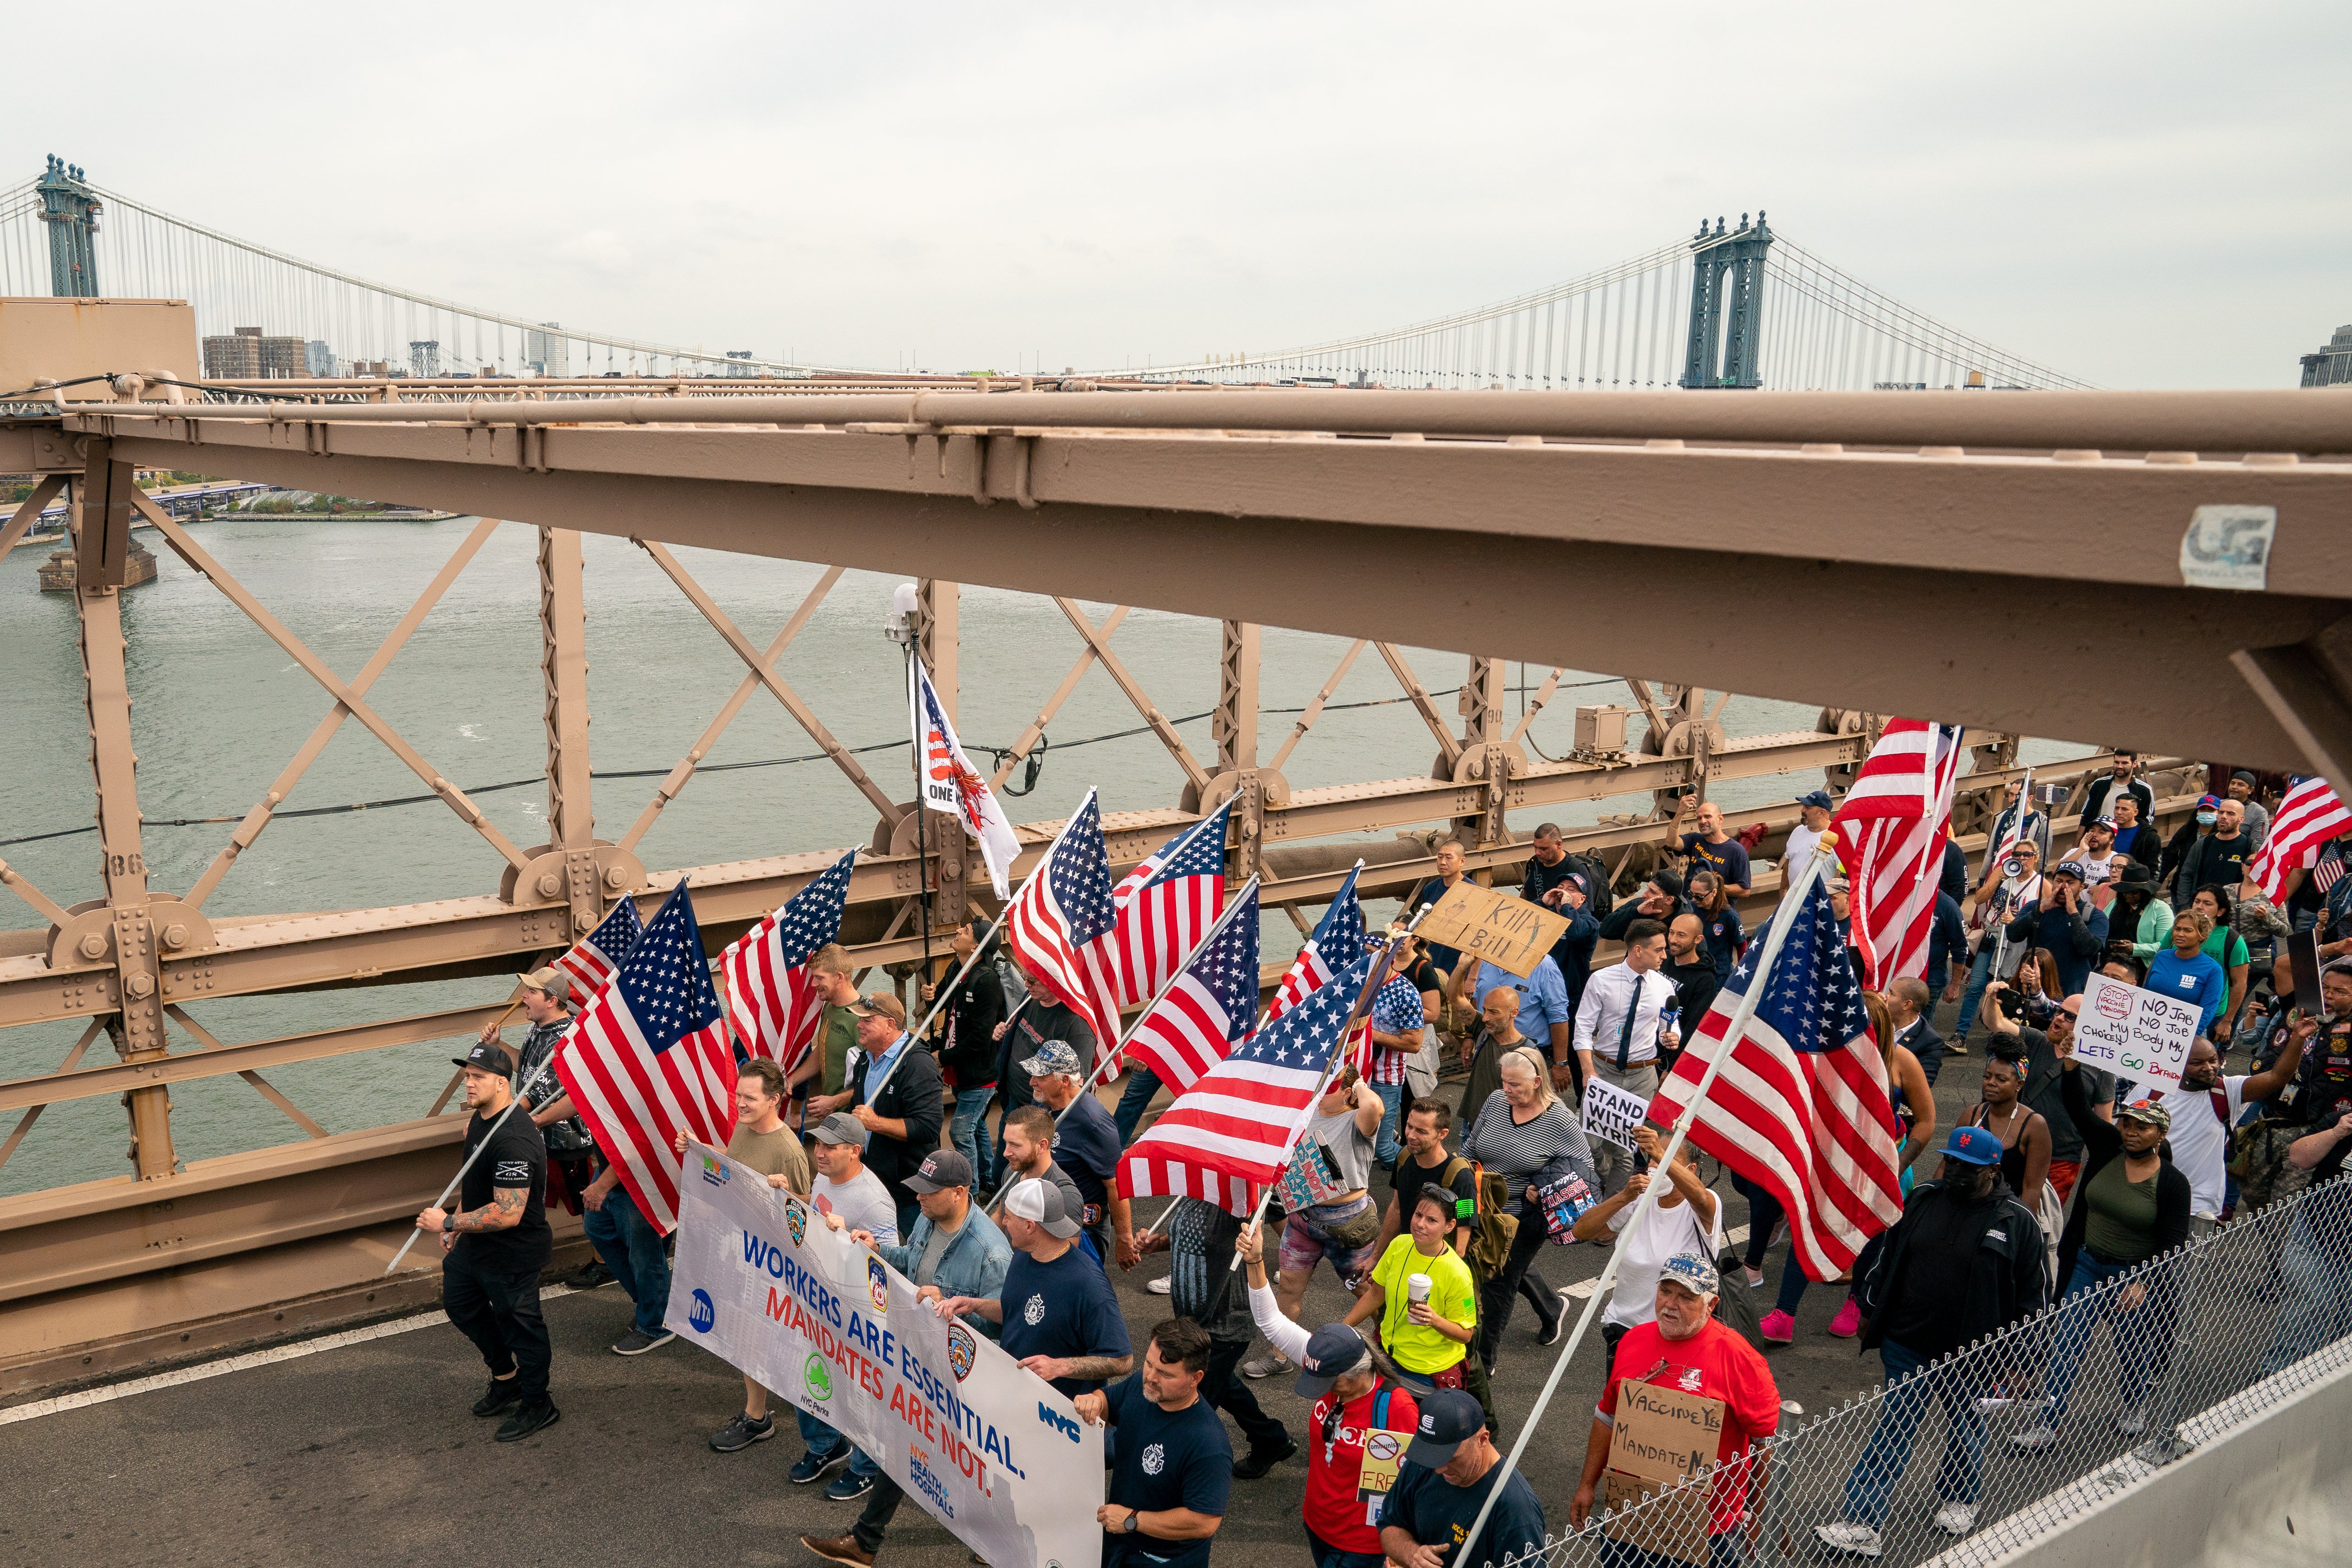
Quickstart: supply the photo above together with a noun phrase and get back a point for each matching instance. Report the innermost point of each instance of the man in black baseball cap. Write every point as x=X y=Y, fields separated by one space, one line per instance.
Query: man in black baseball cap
x=1448 y=1470
x=496 y=1241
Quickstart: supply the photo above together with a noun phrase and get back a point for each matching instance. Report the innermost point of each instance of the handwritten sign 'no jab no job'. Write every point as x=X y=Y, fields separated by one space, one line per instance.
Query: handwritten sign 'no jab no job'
x=2141 y=1037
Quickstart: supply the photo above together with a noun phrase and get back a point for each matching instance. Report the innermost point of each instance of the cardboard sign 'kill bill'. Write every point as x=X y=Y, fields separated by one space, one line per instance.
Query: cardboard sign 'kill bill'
x=1502 y=929
x=2141 y=1037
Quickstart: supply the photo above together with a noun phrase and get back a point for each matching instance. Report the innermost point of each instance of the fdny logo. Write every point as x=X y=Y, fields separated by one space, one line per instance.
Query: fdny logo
x=877 y=1283
x=963 y=1350
x=1035 y=1312
x=1155 y=1460
x=797 y=1222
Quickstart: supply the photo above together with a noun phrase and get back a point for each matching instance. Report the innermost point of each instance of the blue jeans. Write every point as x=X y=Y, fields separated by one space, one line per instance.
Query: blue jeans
x=1870 y=1487
x=1972 y=994
x=1384 y=1142
x=632 y=1248
x=822 y=1439
x=1142 y=1083
x=2141 y=1335
x=968 y=1131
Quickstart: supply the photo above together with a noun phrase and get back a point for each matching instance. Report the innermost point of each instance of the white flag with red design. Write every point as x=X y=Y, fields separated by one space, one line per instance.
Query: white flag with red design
x=952 y=784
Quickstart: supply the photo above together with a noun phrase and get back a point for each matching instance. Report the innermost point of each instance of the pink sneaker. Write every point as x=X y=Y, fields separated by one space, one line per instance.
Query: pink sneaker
x=1848 y=1322
x=1778 y=1328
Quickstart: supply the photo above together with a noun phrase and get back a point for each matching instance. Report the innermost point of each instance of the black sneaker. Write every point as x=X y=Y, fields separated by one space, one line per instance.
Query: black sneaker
x=526 y=1419
x=590 y=1275
x=1261 y=1461
x=741 y=1433
x=636 y=1341
x=504 y=1392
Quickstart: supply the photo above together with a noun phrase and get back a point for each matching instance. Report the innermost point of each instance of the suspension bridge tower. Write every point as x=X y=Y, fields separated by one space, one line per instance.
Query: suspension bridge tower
x=70 y=209
x=1727 y=313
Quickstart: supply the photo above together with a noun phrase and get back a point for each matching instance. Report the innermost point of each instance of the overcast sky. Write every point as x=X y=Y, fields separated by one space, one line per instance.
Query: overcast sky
x=2147 y=195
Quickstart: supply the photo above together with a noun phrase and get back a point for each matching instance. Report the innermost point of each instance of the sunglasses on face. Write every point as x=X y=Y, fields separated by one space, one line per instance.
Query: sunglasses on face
x=2063 y=1013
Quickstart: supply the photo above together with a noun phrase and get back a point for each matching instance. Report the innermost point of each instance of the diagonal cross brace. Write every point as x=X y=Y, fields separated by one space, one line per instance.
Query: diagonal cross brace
x=1449 y=745
x=189 y=551
x=678 y=776
x=801 y=711
x=1135 y=693
x=259 y=817
x=1314 y=711
x=21 y=523
x=1085 y=661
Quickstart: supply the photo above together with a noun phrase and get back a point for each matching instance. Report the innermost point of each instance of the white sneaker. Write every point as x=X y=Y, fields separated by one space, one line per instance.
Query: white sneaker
x=2040 y=1434
x=2132 y=1420
x=1956 y=1518
x=1161 y=1286
x=1859 y=1540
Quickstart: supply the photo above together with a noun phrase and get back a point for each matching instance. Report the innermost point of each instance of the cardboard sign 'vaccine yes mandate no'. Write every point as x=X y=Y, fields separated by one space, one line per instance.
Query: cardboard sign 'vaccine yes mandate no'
x=1663 y=1437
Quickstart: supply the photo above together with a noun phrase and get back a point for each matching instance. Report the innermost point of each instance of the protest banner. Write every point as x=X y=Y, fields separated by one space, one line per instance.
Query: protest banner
x=1612 y=1113
x=993 y=1452
x=2141 y=1037
x=1502 y=929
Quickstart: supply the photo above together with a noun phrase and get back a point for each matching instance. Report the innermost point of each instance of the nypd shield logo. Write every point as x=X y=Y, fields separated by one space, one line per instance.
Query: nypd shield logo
x=797 y=1222
x=963 y=1350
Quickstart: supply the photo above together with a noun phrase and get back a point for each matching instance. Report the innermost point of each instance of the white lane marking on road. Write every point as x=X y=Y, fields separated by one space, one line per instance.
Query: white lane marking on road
x=226 y=1364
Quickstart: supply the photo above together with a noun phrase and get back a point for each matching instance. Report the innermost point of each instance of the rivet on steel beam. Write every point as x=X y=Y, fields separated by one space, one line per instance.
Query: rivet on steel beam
x=548 y=884
x=175 y=935
x=616 y=878
x=140 y=985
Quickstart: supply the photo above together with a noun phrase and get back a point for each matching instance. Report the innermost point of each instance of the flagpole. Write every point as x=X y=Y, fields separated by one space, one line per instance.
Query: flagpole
x=1095 y=1076
x=1782 y=917
x=922 y=844
x=940 y=998
x=1372 y=984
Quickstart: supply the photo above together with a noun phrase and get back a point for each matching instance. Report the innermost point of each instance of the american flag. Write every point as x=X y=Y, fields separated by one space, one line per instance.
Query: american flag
x=594 y=957
x=1339 y=937
x=1061 y=925
x=770 y=997
x=2307 y=820
x=1233 y=1132
x=1800 y=1107
x=649 y=1059
x=1212 y=1002
x=1891 y=830
x=1167 y=905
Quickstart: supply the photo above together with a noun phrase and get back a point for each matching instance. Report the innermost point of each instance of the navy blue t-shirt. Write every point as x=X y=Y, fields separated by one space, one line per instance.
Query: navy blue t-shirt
x=1727 y=859
x=1436 y=1512
x=1086 y=1145
x=1164 y=1461
x=1065 y=1308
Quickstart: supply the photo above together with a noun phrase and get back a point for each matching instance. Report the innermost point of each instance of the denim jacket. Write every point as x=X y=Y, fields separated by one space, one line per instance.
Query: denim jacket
x=972 y=1265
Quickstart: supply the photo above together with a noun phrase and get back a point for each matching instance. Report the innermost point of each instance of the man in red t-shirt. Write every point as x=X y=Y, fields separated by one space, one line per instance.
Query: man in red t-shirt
x=1687 y=1349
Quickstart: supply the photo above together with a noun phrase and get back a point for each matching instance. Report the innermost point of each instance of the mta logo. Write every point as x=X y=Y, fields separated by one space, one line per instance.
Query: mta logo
x=1057 y=1421
x=703 y=1313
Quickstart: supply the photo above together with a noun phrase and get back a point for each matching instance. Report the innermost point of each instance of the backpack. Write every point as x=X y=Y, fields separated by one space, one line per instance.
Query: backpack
x=1493 y=1230
x=1597 y=898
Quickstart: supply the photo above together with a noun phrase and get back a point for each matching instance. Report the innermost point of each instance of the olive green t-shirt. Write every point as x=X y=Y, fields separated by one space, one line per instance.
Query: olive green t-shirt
x=777 y=1154
x=837 y=1034
x=2121 y=1226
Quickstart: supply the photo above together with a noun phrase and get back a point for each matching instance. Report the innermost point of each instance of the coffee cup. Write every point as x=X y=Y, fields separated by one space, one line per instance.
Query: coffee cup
x=1416 y=1288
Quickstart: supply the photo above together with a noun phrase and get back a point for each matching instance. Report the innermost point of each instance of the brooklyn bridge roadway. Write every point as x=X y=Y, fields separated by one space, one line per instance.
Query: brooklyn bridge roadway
x=366 y=1454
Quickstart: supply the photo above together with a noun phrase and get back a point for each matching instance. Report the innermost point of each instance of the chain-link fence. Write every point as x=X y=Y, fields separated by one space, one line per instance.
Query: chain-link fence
x=1984 y=1449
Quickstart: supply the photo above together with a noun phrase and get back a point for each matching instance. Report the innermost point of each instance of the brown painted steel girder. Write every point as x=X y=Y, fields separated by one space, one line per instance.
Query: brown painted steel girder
x=1920 y=562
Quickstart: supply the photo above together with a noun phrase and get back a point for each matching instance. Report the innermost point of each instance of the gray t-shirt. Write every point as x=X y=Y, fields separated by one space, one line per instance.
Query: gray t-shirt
x=1350 y=1151
x=935 y=1247
x=864 y=1203
x=2041 y=1091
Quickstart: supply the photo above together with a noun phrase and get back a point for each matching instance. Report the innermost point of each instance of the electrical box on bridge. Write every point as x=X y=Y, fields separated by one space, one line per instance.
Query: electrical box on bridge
x=65 y=340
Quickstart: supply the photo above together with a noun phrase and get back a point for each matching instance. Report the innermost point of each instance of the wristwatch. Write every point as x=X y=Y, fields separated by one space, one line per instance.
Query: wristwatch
x=1129 y=1528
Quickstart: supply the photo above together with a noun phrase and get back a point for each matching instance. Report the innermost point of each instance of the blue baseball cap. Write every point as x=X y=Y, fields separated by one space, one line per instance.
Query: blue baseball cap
x=1973 y=1145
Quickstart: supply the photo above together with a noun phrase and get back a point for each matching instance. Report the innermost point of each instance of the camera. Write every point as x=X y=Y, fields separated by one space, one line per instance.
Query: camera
x=2018 y=1008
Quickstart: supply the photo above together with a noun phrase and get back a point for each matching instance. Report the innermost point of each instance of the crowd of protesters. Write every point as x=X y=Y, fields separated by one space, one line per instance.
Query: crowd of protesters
x=2055 y=1184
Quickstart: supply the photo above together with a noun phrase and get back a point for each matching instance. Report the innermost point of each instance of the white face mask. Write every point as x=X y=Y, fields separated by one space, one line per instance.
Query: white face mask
x=2208 y=817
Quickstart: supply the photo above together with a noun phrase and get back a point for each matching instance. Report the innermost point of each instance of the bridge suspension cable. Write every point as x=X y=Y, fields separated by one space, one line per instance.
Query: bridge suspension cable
x=345 y=323
x=1815 y=328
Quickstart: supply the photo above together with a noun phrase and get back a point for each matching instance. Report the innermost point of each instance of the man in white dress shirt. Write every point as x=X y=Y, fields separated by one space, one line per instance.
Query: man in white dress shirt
x=1617 y=1031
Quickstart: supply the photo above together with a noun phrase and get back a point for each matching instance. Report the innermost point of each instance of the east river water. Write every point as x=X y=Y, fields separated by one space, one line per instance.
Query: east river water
x=219 y=710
